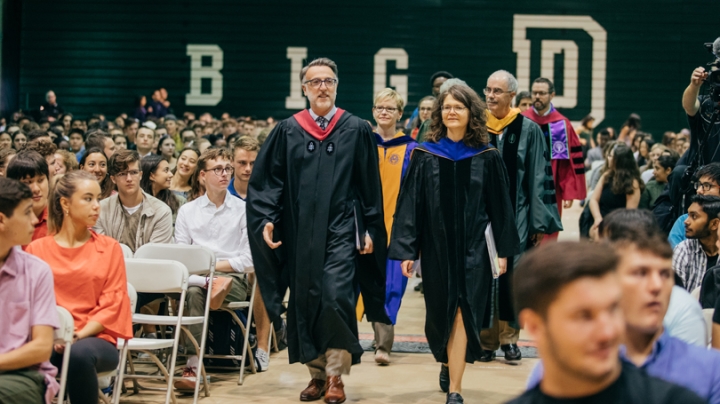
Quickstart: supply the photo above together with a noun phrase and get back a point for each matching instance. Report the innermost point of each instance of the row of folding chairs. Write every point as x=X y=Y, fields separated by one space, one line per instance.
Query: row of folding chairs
x=165 y=268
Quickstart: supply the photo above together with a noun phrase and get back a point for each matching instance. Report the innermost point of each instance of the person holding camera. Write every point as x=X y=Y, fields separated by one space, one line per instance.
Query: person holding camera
x=703 y=112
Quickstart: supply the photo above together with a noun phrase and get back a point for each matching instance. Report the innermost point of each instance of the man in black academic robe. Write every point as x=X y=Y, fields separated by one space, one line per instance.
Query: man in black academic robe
x=316 y=224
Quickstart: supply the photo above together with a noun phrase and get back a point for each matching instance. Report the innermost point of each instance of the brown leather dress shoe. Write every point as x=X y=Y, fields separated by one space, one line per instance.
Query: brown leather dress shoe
x=314 y=390
x=220 y=289
x=335 y=393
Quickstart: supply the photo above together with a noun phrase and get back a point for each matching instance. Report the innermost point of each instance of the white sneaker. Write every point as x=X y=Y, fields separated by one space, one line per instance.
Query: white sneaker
x=263 y=359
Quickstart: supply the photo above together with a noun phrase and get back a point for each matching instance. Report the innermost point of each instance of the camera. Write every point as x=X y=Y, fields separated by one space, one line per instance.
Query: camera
x=713 y=70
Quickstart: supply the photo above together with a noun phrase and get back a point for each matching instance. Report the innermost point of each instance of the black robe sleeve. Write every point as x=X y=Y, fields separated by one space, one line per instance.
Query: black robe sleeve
x=409 y=213
x=370 y=273
x=499 y=208
x=264 y=205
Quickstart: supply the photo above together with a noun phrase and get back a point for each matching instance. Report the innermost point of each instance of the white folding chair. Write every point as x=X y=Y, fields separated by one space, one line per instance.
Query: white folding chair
x=127 y=252
x=198 y=260
x=230 y=308
x=157 y=276
x=64 y=335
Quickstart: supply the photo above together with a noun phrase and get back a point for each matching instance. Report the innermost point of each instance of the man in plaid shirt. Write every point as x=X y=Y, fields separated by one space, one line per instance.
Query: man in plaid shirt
x=699 y=252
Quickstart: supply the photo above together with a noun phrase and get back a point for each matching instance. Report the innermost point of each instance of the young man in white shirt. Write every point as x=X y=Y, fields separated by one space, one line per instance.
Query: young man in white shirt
x=217 y=221
x=144 y=141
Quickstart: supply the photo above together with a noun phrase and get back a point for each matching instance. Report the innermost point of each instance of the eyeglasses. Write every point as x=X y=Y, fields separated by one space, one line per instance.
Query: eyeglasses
x=458 y=109
x=221 y=170
x=383 y=109
x=706 y=186
x=317 y=83
x=124 y=174
x=494 y=91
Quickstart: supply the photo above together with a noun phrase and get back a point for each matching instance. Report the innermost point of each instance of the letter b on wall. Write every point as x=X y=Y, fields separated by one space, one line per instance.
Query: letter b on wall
x=207 y=71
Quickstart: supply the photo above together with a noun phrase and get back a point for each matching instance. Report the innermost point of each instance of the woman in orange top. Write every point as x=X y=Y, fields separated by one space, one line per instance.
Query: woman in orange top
x=90 y=282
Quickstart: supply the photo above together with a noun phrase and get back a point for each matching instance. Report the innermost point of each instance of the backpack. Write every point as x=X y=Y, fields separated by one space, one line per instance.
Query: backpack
x=225 y=337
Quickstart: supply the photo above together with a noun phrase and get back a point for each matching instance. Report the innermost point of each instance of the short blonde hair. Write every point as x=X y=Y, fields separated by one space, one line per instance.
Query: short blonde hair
x=389 y=93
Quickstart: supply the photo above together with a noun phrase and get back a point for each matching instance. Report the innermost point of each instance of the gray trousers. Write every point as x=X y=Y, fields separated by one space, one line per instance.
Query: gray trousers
x=197 y=296
x=384 y=336
x=334 y=362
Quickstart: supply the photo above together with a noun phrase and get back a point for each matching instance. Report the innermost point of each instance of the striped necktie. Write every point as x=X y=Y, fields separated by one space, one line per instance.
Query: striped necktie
x=322 y=122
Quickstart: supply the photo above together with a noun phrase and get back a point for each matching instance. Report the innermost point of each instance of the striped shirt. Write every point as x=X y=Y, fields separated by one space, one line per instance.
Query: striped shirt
x=690 y=263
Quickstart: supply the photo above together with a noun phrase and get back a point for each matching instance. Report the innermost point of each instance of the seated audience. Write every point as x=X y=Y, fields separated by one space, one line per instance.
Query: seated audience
x=102 y=141
x=571 y=298
x=31 y=169
x=5 y=140
x=46 y=150
x=215 y=220
x=95 y=162
x=181 y=183
x=90 y=282
x=619 y=187
x=6 y=155
x=699 y=252
x=121 y=142
x=596 y=153
x=26 y=293
x=65 y=162
x=663 y=166
x=39 y=135
x=708 y=183
x=156 y=180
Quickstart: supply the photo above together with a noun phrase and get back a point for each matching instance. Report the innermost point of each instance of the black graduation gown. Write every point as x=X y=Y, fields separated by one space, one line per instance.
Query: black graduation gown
x=442 y=212
x=313 y=190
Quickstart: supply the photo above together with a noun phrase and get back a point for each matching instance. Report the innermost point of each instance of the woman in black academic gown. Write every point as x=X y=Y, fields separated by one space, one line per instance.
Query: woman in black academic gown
x=456 y=186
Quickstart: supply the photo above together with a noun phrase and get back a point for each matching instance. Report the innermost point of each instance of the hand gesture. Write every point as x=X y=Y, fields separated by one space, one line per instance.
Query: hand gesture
x=407 y=268
x=368 y=245
x=268 y=236
x=698 y=76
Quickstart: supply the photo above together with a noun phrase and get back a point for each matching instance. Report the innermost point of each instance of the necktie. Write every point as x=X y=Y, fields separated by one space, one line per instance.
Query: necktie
x=322 y=122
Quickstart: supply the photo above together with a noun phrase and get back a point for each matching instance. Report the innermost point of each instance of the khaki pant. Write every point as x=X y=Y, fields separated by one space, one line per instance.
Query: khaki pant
x=334 y=362
x=384 y=336
x=196 y=298
x=23 y=386
x=499 y=334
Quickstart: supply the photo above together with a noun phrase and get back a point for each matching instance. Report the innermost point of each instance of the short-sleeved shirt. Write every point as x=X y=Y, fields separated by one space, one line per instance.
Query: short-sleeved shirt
x=703 y=129
x=27 y=299
x=632 y=387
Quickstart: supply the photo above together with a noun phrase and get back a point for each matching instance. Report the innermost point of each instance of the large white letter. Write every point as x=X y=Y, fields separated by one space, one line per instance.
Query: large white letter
x=399 y=81
x=199 y=72
x=295 y=100
x=521 y=46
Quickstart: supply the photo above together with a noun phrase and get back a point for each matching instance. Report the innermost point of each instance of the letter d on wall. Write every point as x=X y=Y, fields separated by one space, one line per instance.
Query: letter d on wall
x=198 y=72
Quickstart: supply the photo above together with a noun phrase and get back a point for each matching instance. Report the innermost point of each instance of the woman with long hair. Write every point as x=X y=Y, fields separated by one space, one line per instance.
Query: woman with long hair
x=182 y=180
x=619 y=187
x=156 y=179
x=18 y=140
x=95 y=162
x=455 y=188
x=166 y=149
x=89 y=274
x=628 y=130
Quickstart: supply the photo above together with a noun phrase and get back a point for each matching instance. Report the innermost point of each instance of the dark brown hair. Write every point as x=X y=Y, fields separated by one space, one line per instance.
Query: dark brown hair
x=12 y=192
x=476 y=134
x=546 y=270
x=43 y=148
x=636 y=227
x=198 y=189
x=120 y=160
x=106 y=185
x=65 y=187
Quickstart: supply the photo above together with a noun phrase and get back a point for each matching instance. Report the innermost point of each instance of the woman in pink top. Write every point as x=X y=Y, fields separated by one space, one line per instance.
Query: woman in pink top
x=90 y=282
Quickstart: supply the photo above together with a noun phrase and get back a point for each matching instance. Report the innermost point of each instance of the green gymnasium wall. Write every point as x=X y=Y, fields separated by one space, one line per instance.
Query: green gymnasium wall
x=608 y=58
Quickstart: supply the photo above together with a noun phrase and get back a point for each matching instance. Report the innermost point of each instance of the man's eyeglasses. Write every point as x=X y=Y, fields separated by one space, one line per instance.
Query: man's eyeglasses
x=124 y=174
x=220 y=170
x=494 y=91
x=388 y=109
x=317 y=83
x=706 y=186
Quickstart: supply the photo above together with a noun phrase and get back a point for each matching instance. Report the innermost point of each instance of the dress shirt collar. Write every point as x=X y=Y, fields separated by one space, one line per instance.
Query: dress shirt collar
x=10 y=265
x=654 y=355
x=329 y=116
x=229 y=201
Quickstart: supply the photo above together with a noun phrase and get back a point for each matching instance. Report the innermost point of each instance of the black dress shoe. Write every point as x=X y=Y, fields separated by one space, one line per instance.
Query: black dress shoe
x=512 y=352
x=487 y=355
x=444 y=378
x=454 y=398
x=418 y=286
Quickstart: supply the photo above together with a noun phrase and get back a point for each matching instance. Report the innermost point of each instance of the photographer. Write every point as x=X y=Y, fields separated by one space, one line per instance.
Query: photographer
x=703 y=116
